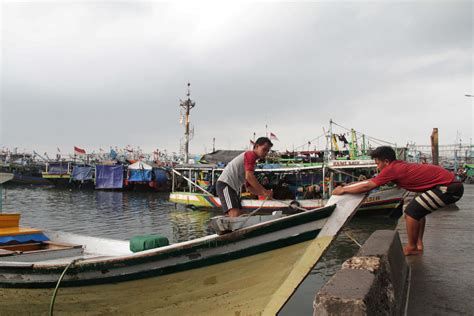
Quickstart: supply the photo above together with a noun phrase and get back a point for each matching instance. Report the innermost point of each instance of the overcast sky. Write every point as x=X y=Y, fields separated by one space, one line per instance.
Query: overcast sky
x=96 y=74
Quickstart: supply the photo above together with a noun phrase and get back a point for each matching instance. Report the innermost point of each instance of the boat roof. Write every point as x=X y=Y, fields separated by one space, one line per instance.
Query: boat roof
x=140 y=165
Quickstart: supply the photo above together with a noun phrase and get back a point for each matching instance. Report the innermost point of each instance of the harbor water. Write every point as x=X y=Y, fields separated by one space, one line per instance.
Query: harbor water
x=122 y=215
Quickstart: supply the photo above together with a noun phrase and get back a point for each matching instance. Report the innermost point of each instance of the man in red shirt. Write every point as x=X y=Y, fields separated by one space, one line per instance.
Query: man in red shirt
x=434 y=185
x=238 y=172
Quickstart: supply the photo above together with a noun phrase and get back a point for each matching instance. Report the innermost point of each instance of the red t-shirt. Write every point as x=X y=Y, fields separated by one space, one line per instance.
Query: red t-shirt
x=250 y=160
x=412 y=176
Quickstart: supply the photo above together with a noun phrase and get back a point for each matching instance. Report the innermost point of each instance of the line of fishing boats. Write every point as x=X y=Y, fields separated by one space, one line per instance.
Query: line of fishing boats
x=250 y=266
x=110 y=175
x=296 y=187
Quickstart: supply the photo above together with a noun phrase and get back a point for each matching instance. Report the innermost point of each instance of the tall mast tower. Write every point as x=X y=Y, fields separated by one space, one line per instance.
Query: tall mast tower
x=187 y=105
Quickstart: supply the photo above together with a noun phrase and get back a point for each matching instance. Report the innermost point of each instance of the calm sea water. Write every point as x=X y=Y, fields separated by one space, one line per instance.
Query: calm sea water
x=122 y=215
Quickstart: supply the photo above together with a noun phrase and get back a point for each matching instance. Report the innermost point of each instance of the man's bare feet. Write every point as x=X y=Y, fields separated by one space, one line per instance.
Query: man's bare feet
x=234 y=212
x=410 y=251
x=419 y=245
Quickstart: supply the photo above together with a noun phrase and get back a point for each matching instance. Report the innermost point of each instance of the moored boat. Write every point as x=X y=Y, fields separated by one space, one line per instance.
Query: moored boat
x=250 y=271
x=299 y=188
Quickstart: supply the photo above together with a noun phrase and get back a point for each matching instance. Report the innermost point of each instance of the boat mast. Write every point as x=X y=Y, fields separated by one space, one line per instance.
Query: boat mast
x=187 y=105
x=331 y=153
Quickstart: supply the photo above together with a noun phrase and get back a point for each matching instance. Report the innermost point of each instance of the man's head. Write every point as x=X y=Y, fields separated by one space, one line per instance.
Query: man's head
x=262 y=147
x=383 y=156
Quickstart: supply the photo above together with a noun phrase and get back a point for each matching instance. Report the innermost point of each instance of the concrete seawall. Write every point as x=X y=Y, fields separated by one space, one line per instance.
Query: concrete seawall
x=374 y=282
x=442 y=278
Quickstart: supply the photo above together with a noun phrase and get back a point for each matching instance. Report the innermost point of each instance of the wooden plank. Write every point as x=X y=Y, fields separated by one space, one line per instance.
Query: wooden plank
x=9 y=220
x=345 y=209
x=14 y=231
x=4 y=252
x=23 y=247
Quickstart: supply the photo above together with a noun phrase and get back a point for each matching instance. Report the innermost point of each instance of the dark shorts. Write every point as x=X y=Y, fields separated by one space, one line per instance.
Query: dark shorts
x=424 y=203
x=229 y=198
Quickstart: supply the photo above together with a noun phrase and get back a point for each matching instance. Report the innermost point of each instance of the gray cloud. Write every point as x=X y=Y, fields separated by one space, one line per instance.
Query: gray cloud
x=99 y=74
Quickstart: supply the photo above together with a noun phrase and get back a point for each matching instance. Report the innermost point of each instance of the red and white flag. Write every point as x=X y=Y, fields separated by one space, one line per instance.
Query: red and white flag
x=273 y=136
x=79 y=151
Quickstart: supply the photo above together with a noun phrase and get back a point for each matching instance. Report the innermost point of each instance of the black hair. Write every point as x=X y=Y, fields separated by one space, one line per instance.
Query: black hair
x=384 y=152
x=262 y=141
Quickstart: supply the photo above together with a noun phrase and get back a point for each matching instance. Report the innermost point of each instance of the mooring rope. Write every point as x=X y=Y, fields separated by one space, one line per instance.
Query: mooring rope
x=290 y=205
x=351 y=238
x=53 y=298
x=251 y=214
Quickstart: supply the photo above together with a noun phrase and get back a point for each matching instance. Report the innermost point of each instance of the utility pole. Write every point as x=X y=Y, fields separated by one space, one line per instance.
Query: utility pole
x=187 y=105
x=213 y=144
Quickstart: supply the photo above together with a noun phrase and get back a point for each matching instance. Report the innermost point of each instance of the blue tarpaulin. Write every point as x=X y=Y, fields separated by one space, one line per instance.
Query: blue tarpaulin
x=23 y=238
x=113 y=154
x=161 y=176
x=81 y=173
x=139 y=175
x=109 y=177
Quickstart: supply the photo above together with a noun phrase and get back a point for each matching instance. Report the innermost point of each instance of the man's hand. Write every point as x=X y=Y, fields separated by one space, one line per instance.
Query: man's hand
x=338 y=191
x=269 y=194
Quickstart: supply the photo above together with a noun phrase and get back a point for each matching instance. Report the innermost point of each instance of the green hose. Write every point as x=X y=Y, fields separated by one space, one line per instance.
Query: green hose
x=53 y=298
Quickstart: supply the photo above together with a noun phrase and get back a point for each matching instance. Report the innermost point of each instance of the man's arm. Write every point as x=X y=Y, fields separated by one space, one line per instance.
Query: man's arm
x=255 y=186
x=358 y=187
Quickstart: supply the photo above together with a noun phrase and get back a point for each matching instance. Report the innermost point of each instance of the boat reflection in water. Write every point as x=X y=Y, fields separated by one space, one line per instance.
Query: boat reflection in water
x=189 y=224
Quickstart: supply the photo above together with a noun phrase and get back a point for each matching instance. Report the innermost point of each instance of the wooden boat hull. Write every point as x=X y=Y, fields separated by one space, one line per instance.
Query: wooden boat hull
x=251 y=271
x=383 y=199
x=194 y=254
x=200 y=200
x=242 y=286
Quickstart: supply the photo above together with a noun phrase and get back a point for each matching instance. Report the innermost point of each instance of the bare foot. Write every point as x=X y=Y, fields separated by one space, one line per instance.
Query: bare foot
x=234 y=212
x=419 y=245
x=410 y=251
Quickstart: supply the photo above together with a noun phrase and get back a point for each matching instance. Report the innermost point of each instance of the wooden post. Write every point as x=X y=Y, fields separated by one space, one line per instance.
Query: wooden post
x=434 y=147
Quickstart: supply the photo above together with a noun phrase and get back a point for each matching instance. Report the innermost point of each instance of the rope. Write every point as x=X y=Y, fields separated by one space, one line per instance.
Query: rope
x=251 y=214
x=310 y=141
x=297 y=207
x=369 y=137
x=352 y=238
x=263 y=203
x=190 y=181
x=343 y=172
x=53 y=298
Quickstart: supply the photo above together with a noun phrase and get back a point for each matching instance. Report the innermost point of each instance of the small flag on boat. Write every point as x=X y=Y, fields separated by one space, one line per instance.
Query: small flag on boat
x=273 y=136
x=79 y=151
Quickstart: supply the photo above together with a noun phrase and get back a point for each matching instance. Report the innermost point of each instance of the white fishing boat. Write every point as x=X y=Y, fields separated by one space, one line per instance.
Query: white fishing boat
x=196 y=190
x=252 y=270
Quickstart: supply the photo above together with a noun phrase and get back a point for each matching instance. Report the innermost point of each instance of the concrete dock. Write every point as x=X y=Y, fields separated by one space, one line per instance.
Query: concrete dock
x=442 y=278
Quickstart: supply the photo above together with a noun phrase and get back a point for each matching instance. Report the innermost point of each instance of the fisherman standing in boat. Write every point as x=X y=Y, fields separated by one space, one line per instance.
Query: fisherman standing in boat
x=240 y=171
x=433 y=185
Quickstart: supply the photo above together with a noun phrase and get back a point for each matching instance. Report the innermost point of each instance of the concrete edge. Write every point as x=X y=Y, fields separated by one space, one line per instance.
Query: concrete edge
x=381 y=289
